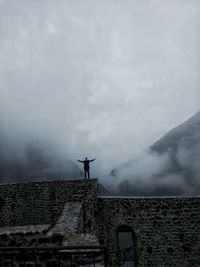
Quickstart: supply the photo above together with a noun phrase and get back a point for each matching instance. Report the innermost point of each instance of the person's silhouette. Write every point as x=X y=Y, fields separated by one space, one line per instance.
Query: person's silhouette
x=86 y=163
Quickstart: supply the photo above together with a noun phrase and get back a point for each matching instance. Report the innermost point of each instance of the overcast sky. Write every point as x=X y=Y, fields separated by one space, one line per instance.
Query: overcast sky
x=102 y=79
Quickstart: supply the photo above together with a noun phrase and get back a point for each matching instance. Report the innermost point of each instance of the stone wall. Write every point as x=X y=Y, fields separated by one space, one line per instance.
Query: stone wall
x=166 y=230
x=43 y=202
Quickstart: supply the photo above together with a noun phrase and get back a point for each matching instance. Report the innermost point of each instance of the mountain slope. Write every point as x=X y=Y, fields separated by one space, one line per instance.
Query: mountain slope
x=187 y=134
x=171 y=166
x=183 y=146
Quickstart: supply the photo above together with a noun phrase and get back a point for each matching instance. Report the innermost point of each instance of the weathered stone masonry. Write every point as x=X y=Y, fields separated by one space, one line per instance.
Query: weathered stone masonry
x=40 y=208
x=166 y=229
x=43 y=202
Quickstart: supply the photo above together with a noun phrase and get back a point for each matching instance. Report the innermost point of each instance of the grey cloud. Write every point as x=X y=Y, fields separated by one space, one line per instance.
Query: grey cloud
x=102 y=79
x=170 y=166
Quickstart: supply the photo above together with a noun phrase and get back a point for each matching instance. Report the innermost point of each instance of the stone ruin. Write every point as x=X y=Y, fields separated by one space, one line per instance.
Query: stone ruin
x=70 y=214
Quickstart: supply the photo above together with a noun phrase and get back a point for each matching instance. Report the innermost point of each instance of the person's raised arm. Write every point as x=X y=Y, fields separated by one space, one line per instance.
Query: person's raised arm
x=92 y=160
x=80 y=160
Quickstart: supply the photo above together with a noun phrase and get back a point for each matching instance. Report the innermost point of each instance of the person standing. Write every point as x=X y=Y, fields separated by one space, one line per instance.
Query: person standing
x=86 y=164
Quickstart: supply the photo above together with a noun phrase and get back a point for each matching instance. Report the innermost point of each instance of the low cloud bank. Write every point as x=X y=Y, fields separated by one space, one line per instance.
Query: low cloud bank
x=176 y=172
x=23 y=158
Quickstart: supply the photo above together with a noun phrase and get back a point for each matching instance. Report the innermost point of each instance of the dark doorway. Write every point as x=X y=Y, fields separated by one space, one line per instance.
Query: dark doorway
x=126 y=245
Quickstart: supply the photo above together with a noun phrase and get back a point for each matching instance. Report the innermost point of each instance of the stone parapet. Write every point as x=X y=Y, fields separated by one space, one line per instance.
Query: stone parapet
x=42 y=202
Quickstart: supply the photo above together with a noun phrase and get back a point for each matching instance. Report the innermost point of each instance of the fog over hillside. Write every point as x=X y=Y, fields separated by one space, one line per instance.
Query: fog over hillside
x=102 y=79
x=169 y=167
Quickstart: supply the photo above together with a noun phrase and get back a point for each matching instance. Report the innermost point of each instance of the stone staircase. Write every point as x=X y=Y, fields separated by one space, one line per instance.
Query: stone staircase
x=69 y=226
